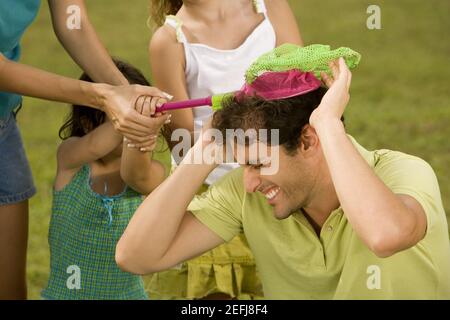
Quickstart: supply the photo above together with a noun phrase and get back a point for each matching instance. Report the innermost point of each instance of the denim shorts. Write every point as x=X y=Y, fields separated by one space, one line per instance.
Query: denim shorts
x=16 y=181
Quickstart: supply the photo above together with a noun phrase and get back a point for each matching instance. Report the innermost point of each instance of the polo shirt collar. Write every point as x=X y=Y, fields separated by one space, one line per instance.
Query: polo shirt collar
x=368 y=157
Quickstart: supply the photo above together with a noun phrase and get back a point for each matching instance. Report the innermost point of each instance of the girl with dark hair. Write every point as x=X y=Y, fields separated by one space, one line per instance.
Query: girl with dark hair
x=99 y=184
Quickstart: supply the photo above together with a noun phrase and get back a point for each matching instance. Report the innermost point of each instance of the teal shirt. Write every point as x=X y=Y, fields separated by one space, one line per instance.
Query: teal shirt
x=15 y=17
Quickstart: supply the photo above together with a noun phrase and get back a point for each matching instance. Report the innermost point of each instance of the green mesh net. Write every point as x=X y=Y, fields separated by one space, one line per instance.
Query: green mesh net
x=313 y=58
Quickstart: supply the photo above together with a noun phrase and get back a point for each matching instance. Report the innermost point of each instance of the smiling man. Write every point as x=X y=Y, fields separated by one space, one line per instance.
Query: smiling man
x=335 y=221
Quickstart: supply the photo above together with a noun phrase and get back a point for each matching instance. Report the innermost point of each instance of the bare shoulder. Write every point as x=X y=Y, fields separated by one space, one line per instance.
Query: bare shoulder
x=166 y=53
x=164 y=39
x=277 y=5
x=64 y=146
x=284 y=22
x=64 y=175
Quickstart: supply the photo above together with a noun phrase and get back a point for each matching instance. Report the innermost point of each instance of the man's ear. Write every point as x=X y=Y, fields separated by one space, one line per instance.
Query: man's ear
x=309 y=141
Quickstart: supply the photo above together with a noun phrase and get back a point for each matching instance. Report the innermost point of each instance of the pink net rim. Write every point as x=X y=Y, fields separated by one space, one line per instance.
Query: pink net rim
x=281 y=85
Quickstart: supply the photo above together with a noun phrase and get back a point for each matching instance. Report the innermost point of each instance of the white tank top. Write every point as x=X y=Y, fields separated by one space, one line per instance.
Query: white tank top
x=212 y=71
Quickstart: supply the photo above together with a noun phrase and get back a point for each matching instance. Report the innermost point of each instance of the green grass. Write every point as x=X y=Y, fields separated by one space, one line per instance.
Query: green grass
x=399 y=98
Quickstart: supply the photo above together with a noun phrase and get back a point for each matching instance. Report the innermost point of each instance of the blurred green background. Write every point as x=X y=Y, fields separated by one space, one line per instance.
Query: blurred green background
x=399 y=97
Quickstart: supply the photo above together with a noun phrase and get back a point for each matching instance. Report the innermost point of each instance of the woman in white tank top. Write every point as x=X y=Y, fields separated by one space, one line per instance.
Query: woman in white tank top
x=204 y=48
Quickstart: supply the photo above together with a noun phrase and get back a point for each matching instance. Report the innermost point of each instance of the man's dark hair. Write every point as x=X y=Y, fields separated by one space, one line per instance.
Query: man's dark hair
x=288 y=115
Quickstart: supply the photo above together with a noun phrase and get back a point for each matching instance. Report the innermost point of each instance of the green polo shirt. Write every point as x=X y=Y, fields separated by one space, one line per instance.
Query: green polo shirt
x=295 y=263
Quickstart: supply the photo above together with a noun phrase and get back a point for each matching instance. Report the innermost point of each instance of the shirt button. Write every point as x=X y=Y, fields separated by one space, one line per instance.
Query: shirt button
x=330 y=228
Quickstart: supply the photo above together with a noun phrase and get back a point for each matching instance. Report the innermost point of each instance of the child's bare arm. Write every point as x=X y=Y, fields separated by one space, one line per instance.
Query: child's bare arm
x=284 y=22
x=137 y=168
x=77 y=151
x=168 y=64
x=140 y=171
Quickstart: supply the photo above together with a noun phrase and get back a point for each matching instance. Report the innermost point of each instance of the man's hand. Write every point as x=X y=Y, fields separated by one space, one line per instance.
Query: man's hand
x=209 y=149
x=336 y=99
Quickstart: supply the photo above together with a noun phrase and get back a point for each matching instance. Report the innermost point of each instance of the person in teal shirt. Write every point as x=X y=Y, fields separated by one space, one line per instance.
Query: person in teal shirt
x=10 y=33
x=111 y=93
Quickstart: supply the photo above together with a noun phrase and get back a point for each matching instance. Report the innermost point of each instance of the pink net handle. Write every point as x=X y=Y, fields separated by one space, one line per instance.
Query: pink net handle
x=185 y=104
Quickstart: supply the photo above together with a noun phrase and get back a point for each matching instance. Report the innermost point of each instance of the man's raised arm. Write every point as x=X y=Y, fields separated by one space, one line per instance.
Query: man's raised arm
x=162 y=233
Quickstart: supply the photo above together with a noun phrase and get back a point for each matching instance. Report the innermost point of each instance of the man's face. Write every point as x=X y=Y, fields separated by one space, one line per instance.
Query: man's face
x=289 y=188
